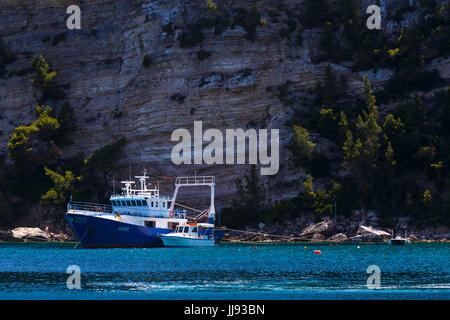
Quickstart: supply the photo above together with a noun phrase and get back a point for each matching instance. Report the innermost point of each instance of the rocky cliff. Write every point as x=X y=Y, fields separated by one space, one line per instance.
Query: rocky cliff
x=101 y=70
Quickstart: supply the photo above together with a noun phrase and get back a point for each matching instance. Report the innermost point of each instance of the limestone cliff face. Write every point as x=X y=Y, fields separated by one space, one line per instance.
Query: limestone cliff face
x=100 y=68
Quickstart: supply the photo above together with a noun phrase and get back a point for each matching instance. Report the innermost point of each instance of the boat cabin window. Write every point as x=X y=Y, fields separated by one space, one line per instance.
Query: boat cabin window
x=149 y=224
x=186 y=229
x=194 y=229
x=144 y=202
x=172 y=225
x=169 y=203
x=129 y=203
x=123 y=203
x=133 y=203
x=156 y=204
x=179 y=229
x=152 y=204
x=164 y=204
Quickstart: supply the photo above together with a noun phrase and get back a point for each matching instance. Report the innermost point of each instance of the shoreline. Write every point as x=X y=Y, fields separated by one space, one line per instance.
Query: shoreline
x=2 y=242
x=288 y=231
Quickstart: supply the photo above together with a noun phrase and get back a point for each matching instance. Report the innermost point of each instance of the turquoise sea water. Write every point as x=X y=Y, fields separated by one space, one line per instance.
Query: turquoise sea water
x=228 y=271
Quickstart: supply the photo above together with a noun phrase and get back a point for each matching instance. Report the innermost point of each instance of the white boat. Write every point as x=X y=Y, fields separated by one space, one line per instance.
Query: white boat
x=190 y=235
x=398 y=240
x=138 y=216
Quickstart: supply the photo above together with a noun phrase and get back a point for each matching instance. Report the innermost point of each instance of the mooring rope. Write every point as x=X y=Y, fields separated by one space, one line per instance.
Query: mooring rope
x=181 y=205
x=76 y=245
x=275 y=235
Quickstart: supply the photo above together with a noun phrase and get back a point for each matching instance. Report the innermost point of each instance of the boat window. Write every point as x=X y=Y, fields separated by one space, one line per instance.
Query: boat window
x=180 y=229
x=152 y=204
x=186 y=229
x=113 y=202
x=149 y=224
x=144 y=202
x=194 y=229
x=129 y=203
x=133 y=203
x=117 y=203
x=123 y=203
x=156 y=204
x=164 y=204
x=172 y=225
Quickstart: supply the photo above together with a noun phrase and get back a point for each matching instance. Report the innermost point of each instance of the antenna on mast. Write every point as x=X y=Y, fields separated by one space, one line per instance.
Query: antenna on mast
x=114 y=185
x=129 y=167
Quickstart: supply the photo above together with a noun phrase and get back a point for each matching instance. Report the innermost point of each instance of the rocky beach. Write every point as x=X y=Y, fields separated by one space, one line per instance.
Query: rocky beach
x=362 y=226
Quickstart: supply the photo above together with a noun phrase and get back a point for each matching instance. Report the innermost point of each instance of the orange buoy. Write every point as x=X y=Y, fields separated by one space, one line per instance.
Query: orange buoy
x=317 y=252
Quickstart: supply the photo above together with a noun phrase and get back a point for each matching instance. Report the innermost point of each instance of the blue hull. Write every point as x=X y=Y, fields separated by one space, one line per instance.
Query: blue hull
x=97 y=232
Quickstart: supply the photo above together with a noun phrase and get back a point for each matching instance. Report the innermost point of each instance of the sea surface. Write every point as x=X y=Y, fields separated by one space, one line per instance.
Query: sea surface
x=227 y=271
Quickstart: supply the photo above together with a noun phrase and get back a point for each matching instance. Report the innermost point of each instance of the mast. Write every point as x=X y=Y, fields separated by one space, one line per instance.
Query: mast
x=196 y=181
x=143 y=181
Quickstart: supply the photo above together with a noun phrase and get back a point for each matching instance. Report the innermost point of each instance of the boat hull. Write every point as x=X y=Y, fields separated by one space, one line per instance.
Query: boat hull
x=100 y=232
x=398 y=242
x=170 y=241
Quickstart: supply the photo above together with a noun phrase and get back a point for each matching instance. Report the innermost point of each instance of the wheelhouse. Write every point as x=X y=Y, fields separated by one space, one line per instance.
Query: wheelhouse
x=195 y=230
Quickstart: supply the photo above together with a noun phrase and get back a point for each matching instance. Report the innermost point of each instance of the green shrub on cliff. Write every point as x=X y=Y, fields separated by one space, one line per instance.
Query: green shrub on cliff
x=212 y=7
x=85 y=179
x=44 y=78
x=25 y=138
x=303 y=147
x=63 y=186
x=147 y=61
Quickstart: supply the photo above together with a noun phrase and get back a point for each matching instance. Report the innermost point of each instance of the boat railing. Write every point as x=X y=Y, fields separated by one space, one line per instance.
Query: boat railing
x=195 y=180
x=88 y=206
x=133 y=196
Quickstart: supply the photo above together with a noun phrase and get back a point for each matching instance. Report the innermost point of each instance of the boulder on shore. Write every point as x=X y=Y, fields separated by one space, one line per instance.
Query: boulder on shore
x=366 y=231
x=318 y=236
x=23 y=233
x=339 y=237
x=320 y=227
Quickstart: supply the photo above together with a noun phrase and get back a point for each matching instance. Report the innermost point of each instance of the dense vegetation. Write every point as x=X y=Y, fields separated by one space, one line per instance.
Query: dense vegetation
x=396 y=163
x=38 y=173
x=395 y=160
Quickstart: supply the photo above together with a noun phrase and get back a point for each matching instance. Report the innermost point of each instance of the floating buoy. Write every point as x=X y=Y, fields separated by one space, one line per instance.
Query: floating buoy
x=305 y=247
x=357 y=247
x=317 y=252
x=256 y=247
x=331 y=244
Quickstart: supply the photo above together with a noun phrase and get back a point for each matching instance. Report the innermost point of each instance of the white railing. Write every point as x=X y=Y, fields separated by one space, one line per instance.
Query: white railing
x=195 y=180
x=91 y=207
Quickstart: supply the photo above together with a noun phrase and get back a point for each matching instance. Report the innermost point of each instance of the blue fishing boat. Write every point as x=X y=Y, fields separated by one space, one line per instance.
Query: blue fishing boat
x=136 y=217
